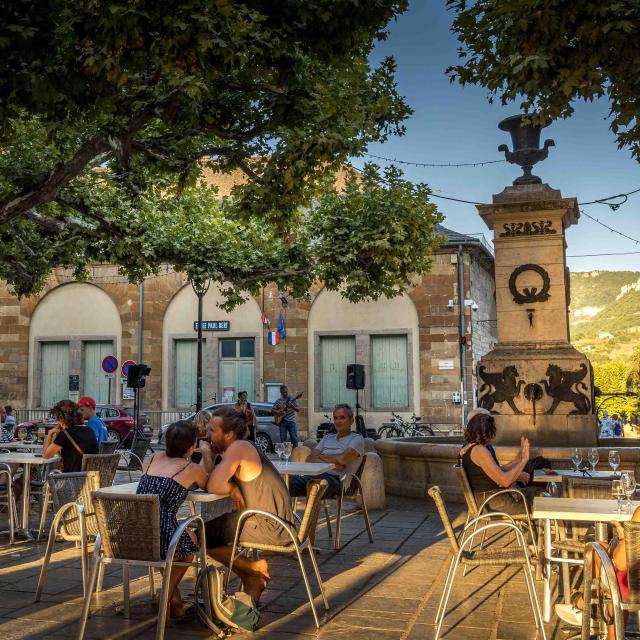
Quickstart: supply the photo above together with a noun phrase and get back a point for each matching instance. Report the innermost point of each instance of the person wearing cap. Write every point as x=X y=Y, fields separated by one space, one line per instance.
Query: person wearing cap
x=87 y=406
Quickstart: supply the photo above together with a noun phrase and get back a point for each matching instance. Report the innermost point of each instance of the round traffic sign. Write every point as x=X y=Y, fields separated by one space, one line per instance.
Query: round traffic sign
x=109 y=364
x=125 y=367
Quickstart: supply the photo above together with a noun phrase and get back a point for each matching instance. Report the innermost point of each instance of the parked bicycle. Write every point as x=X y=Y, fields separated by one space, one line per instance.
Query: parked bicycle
x=399 y=428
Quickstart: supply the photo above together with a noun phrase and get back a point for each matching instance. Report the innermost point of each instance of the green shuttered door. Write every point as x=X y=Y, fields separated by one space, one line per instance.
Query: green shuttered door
x=336 y=352
x=390 y=380
x=186 y=373
x=54 y=368
x=95 y=383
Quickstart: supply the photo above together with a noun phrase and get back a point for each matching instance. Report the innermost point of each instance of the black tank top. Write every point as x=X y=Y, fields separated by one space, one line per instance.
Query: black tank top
x=267 y=491
x=478 y=479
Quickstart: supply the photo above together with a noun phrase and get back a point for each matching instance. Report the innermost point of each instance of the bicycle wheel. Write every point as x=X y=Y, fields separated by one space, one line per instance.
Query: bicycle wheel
x=389 y=432
x=423 y=431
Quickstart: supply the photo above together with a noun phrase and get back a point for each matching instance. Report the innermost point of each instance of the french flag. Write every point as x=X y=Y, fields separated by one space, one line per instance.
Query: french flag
x=274 y=338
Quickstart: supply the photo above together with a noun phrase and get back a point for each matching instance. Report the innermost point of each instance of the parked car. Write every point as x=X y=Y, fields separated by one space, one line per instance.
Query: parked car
x=117 y=418
x=267 y=432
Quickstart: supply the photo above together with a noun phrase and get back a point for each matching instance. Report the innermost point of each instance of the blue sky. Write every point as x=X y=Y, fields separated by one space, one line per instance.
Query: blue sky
x=452 y=123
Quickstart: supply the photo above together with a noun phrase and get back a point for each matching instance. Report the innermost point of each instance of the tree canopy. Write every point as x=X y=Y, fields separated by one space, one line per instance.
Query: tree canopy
x=548 y=53
x=110 y=111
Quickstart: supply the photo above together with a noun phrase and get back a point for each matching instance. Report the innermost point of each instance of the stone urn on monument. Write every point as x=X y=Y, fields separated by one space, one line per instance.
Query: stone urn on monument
x=533 y=381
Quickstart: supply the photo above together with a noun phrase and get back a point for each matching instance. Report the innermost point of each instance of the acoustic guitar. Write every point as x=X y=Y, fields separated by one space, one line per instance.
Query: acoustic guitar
x=279 y=414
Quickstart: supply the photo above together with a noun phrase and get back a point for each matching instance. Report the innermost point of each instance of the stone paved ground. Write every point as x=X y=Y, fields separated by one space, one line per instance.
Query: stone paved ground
x=387 y=590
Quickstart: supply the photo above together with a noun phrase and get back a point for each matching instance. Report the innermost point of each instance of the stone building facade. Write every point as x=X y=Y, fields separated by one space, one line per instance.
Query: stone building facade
x=409 y=346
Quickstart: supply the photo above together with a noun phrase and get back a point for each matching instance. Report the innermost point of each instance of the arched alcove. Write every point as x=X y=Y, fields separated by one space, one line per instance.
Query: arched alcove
x=73 y=327
x=380 y=334
x=222 y=369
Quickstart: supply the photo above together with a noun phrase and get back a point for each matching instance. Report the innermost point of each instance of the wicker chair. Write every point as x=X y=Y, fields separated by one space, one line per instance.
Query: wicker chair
x=300 y=540
x=608 y=583
x=105 y=464
x=134 y=457
x=109 y=446
x=123 y=521
x=74 y=520
x=350 y=489
x=473 y=511
x=464 y=555
x=7 y=499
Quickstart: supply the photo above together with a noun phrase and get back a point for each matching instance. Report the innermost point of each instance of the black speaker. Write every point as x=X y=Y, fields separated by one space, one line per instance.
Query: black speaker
x=136 y=375
x=355 y=376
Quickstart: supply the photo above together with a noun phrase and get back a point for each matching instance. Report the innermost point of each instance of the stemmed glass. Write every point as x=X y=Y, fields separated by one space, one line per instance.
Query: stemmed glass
x=594 y=456
x=279 y=449
x=629 y=483
x=618 y=490
x=576 y=456
x=614 y=460
x=288 y=448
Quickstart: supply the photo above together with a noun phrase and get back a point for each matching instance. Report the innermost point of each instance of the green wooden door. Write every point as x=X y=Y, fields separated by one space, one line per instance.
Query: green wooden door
x=389 y=374
x=336 y=352
x=186 y=373
x=236 y=375
x=96 y=384
x=54 y=372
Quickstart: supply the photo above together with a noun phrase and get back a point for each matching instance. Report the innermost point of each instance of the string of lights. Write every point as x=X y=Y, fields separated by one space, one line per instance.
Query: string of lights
x=431 y=164
x=606 y=226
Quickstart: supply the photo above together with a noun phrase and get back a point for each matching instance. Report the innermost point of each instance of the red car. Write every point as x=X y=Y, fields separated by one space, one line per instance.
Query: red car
x=117 y=418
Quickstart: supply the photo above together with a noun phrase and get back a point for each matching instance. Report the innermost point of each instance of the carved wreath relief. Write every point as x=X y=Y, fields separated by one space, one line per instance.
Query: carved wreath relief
x=529 y=294
x=560 y=385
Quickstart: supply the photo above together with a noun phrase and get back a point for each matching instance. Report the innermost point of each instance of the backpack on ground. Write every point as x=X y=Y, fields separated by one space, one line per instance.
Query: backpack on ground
x=228 y=612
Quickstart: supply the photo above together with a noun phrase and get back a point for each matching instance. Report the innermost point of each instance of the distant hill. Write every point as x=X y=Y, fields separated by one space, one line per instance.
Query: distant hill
x=605 y=313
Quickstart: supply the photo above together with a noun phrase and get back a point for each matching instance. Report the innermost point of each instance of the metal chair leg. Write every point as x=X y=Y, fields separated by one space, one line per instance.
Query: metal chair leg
x=314 y=562
x=43 y=512
x=308 y=587
x=444 y=589
x=99 y=585
x=327 y=517
x=92 y=581
x=336 y=546
x=47 y=556
x=164 y=601
x=365 y=512
x=446 y=595
x=125 y=591
x=152 y=583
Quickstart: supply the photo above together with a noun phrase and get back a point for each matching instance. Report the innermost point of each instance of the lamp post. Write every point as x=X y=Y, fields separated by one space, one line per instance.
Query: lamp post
x=200 y=288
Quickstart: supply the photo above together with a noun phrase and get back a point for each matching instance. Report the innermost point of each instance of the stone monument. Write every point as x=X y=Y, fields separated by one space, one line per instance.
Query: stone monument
x=534 y=381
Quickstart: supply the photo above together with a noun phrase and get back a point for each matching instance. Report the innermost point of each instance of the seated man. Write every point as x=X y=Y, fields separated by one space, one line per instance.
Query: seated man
x=252 y=482
x=344 y=449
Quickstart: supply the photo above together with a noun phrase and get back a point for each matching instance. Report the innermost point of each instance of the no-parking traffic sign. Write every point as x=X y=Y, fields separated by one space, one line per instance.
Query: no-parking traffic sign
x=109 y=364
x=125 y=367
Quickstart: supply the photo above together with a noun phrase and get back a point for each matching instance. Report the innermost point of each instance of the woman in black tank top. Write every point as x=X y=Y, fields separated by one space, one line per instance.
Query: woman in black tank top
x=486 y=475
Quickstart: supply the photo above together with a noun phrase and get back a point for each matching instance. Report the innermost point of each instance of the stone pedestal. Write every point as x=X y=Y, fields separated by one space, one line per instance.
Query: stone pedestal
x=534 y=381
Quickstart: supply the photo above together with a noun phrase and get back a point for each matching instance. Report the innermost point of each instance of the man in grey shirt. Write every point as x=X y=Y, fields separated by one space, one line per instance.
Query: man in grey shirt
x=344 y=449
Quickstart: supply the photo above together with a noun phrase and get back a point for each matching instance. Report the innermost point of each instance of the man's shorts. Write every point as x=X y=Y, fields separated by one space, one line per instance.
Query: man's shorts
x=221 y=531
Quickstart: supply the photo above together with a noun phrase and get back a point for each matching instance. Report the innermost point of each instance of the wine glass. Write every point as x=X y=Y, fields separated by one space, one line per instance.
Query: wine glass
x=279 y=449
x=629 y=482
x=618 y=490
x=288 y=448
x=614 y=460
x=576 y=456
x=594 y=456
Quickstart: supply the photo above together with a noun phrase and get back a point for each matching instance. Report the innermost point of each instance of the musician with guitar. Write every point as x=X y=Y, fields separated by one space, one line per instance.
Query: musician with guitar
x=284 y=415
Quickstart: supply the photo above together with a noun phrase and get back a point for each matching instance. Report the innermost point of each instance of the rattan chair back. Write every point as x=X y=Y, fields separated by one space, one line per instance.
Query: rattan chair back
x=353 y=487
x=109 y=446
x=105 y=464
x=139 y=448
x=77 y=488
x=309 y=522
x=469 y=498
x=632 y=548
x=586 y=488
x=436 y=494
x=129 y=525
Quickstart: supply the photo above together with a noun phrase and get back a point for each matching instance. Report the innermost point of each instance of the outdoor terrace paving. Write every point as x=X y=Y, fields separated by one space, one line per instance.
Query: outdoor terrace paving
x=388 y=590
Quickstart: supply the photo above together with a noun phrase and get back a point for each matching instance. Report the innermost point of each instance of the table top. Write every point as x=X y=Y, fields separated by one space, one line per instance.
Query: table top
x=580 y=509
x=22 y=457
x=197 y=495
x=16 y=444
x=557 y=474
x=302 y=468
